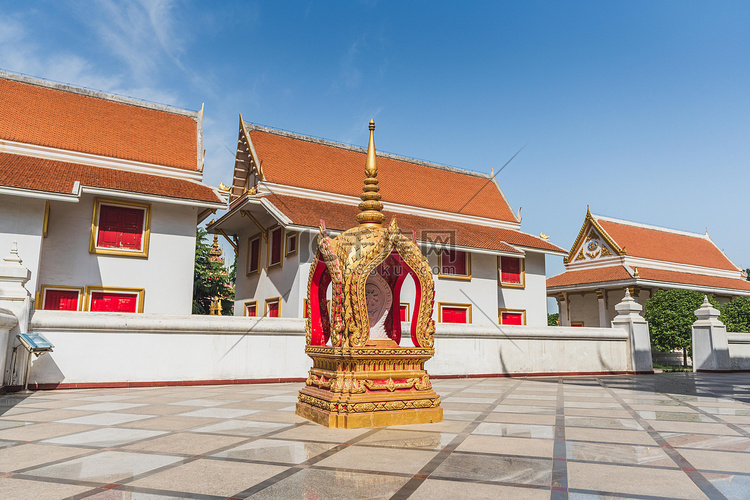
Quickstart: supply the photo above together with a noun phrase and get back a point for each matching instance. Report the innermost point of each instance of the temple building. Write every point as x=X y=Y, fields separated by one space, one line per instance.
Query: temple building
x=486 y=270
x=612 y=255
x=101 y=195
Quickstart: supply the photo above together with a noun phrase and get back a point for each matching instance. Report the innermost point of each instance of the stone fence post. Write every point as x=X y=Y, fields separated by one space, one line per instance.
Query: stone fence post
x=710 y=344
x=639 y=340
x=15 y=306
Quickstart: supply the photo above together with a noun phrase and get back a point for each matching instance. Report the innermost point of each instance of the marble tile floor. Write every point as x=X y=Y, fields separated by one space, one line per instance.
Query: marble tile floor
x=645 y=437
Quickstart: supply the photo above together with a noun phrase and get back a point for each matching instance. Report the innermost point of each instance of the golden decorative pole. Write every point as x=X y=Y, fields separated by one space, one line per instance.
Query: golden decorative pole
x=371 y=209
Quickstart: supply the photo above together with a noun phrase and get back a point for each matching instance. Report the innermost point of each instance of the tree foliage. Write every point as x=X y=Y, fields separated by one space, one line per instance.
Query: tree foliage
x=211 y=279
x=670 y=315
x=553 y=319
x=736 y=315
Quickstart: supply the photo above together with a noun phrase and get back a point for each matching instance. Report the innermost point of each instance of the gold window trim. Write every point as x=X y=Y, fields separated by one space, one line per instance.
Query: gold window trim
x=250 y=240
x=39 y=303
x=271 y=301
x=45 y=222
x=251 y=303
x=466 y=277
x=288 y=235
x=139 y=291
x=114 y=251
x=452 y=304
x=512 y=311
x=500 y=281
x=268 y=248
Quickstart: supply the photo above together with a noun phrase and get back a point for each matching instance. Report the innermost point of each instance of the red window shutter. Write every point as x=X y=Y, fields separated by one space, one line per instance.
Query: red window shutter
x=276 y=246
x=252 y=310
x=455 y=315
x=273 y=309
x=120 y=227
x=454 y=262
x=114 y=302
x=61 y=300
x=509 y=318
x=402 y=310
x=292 y=244
x=254 y=255
x=510 y=269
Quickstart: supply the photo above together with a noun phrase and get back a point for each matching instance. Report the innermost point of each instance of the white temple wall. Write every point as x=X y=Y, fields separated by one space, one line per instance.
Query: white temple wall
x=532 y=298
x=739 y=350
x=584 y=308
x=166 y=275
x=21 y=220
x=110 y=348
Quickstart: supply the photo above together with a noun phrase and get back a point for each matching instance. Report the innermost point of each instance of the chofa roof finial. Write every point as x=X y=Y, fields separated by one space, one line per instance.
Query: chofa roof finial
x=371 y=209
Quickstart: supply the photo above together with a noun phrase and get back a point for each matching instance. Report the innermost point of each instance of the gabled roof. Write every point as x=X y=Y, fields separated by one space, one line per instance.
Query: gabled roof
x=653 y=243
x=50 y=176
x=338 y=216
x=662 y=244
x=645 y=276
x=304 y=162
x=57 y=116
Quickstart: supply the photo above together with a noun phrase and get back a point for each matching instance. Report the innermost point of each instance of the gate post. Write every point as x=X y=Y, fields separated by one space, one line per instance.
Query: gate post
x=710 y=344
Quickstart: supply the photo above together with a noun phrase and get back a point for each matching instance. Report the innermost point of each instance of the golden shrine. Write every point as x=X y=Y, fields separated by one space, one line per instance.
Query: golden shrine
x=361 y=377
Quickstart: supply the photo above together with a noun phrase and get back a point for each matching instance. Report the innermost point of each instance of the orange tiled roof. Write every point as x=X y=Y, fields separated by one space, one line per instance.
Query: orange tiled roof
x=651 y=243
x=37 y=174
x=294 y=161
x=619 y=273
x=337 y=216
x=44 y=116
x=693 y=279
x=593 y=275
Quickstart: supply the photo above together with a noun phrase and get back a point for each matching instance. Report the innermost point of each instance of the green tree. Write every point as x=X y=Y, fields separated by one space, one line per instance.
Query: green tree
x=670 y=315
x=210 y=278
x=747 y=274
x=736 y=315
x=553 y=319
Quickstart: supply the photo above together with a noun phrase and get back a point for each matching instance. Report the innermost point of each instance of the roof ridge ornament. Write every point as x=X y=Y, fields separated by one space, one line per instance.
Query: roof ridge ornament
x=371 y=208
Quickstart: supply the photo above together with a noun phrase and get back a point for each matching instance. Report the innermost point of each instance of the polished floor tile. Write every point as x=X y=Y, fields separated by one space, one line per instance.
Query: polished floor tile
x=326 y=484
x=105 y=467
x=276 y=450
x=105 y=437
x=520 y=470
x=507 y=446
x=391 y=438
x=23 y=489
x=185 y=443
x=241 y=428
x=406 y=461
x=105 y=419
x=433 y=489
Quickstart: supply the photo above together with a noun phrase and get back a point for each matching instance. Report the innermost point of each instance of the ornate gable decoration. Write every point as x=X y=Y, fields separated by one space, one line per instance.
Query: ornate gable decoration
x=592 y=242
x=245 y=165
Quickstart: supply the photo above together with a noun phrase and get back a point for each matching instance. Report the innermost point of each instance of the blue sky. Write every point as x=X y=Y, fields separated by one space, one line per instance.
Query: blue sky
x=638 y=109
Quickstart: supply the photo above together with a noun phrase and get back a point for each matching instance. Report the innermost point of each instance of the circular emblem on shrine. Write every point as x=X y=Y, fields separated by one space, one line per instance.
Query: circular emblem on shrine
x=593 y=245
x=379 y=298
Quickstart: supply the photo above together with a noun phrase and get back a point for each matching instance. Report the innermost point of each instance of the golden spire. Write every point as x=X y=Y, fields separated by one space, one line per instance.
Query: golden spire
x=371 y=209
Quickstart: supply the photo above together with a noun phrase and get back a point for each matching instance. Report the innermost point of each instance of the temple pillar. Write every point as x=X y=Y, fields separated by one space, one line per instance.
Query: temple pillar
x=710 y=343
x=639 y=340
x=562 y=305
x=601 y=298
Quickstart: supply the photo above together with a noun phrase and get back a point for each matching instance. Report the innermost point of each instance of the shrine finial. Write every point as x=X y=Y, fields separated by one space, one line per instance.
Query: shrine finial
x=371 y=209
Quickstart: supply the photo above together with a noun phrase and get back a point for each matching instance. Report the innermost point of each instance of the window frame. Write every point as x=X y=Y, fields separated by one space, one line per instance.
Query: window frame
x=522 y=312
x=250 y=241
x=145 y=235
x=577 y=324
x=505 y=284
x=466 y=276
x=280 y=263
x=271 y=301
x=287 y=236
x=408 y=310
x=454 y=305
x=43 y=295
x=139 y=292
x=249 y=303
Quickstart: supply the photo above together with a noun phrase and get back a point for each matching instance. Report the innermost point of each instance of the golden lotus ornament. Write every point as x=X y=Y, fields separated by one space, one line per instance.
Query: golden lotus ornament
x=361 y=376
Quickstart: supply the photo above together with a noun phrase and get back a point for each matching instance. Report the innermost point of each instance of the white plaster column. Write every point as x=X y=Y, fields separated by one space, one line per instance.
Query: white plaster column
x=15 y=300
x=562 y=305
x=639 y=340
x=710 y=344
x=602 y=300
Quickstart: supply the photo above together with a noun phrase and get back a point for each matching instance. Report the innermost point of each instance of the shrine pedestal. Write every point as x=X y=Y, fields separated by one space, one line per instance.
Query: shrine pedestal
x=369 y=386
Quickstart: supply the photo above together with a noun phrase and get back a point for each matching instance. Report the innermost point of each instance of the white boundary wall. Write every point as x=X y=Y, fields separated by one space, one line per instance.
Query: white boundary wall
x=739 y=350
x=108 y=348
